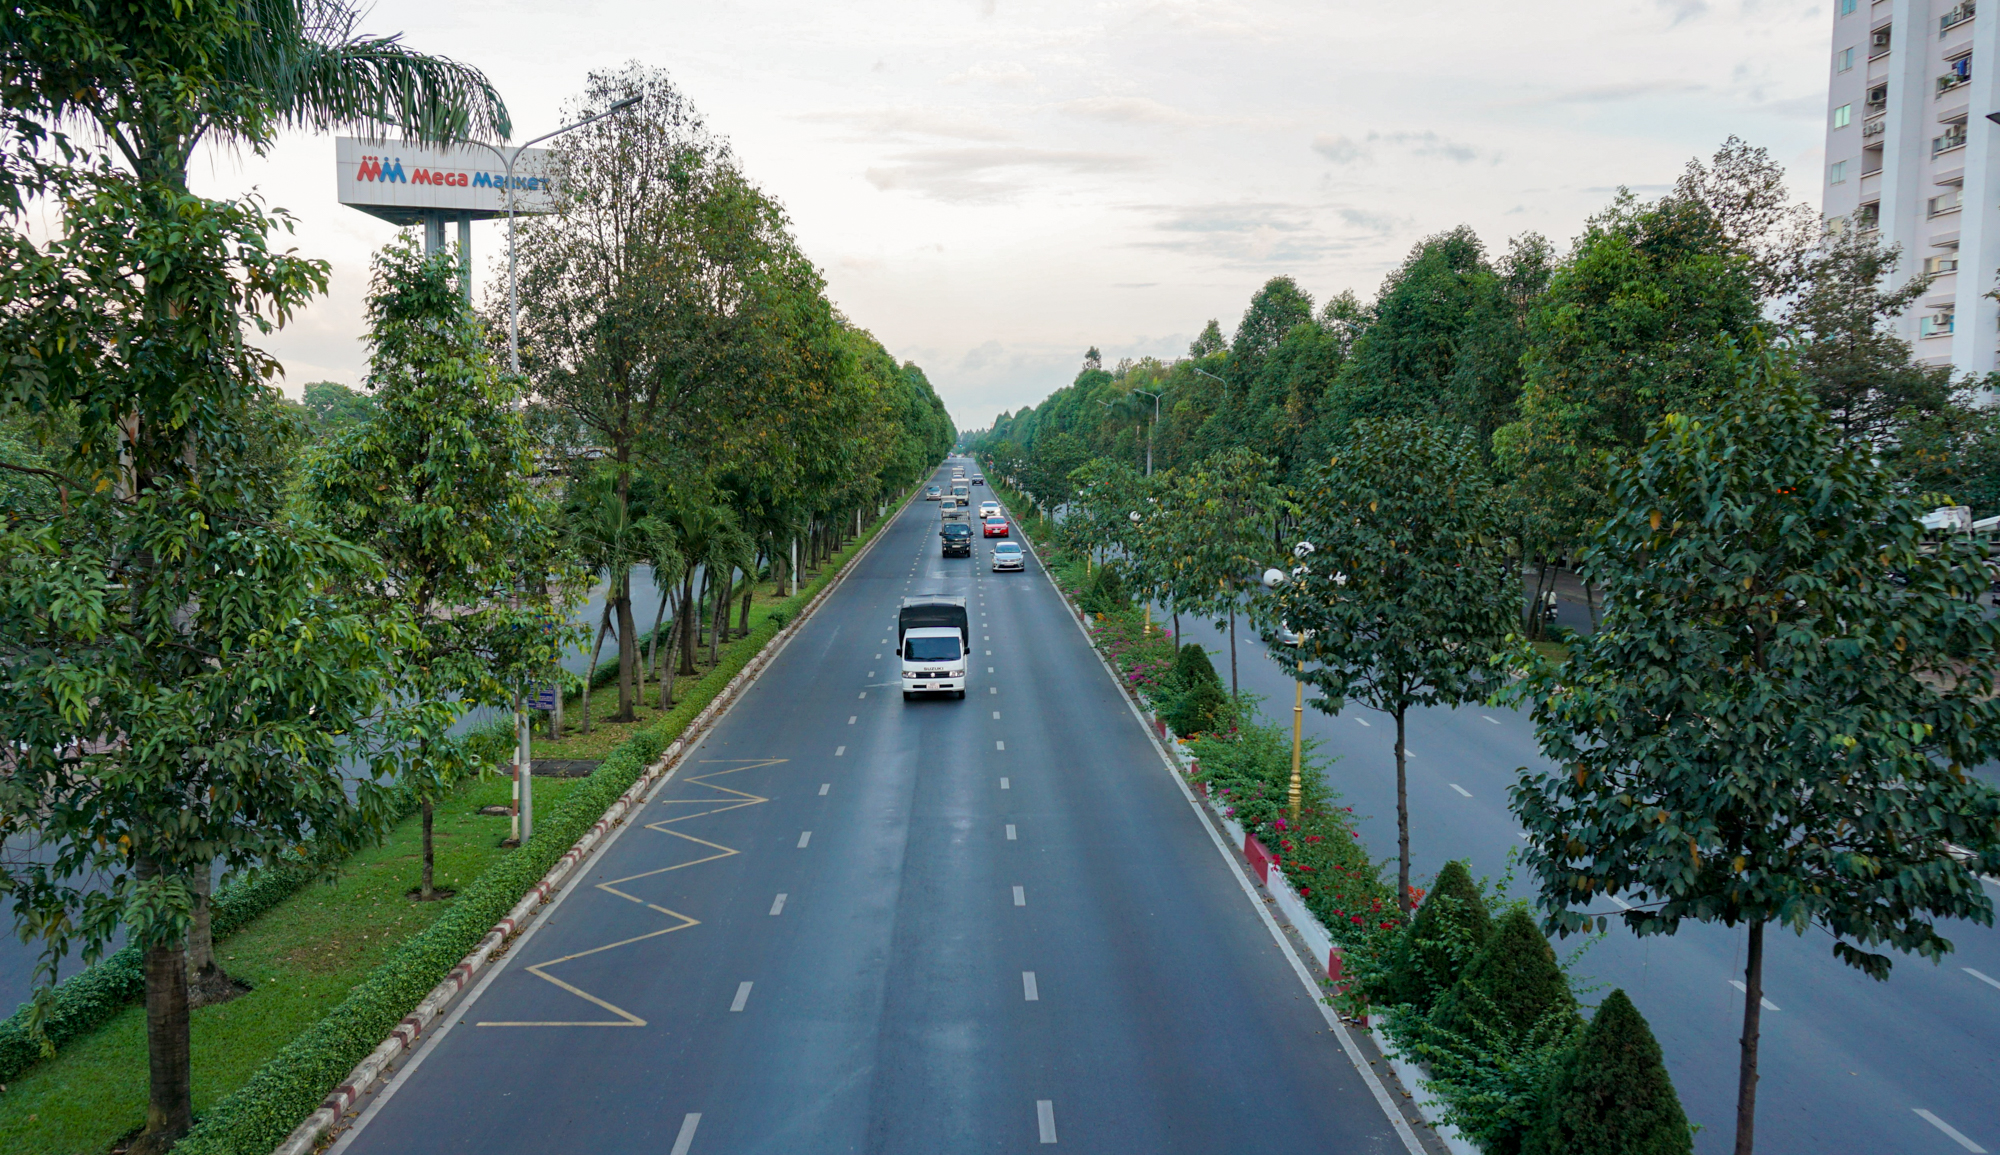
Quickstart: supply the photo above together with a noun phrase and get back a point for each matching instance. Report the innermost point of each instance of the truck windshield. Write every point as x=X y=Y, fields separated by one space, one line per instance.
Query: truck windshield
x=931 y=650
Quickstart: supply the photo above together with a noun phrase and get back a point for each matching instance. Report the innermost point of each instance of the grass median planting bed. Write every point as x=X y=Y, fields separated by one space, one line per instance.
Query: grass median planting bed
x=301 y=958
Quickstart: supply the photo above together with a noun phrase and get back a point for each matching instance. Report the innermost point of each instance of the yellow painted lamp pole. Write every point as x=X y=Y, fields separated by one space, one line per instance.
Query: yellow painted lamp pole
x=1273 y=578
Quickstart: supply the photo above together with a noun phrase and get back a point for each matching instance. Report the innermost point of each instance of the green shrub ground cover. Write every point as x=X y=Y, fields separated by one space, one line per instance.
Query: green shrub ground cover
x=335 y=969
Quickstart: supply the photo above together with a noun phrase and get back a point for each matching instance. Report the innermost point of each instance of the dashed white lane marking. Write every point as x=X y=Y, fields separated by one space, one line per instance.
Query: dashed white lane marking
x=986 y=637
x=1460 y=789
x=991 y=689
x=1950 y=1130
x=824 y=787
x=1521 y=834
x=1045 y=1119
x=1029 y=992
x=839 y=750
x=999 y=745
x=742 y=996
x=1491 y=719
x=1361 y=720
x=1989 y=980
x=1004 y=785
x=864 y=693
x=989 y=669
x=871 y=673
x=1010 y=838
x=1622 y=904
x=1020 y=896
x=805 y=836
x=685 y=1139
x=851 y=718
x=989 y=653
x=1767 y=1004
x=778 y=904
x=996 y=715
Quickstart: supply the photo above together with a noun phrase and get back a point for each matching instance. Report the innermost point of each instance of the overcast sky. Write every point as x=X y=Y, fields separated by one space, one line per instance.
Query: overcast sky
x=991 y=186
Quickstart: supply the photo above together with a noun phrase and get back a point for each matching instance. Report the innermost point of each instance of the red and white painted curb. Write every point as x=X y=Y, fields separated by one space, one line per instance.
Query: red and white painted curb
x=404 y=1038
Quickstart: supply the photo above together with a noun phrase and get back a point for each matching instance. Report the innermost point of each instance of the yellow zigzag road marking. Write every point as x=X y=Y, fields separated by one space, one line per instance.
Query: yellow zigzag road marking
x=729 y=800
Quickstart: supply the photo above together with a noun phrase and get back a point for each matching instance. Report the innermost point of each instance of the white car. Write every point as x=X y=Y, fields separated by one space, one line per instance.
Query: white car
x=1007 y=555
x=988 y=509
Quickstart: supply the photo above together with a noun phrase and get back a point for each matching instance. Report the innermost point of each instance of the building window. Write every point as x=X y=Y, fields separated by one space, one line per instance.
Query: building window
x=1836 y=173
x=1847 y=7
x=1878 y=42
x=1868 y=216
x=1947 y=202
x=1843 y=116
x=1939 y=266
x=1843 y=61
x=1940 y=325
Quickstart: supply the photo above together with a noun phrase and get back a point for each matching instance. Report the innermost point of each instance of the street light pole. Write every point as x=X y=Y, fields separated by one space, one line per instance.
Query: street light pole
x=1273 y=578
x=1150 y=428
x=508 y=159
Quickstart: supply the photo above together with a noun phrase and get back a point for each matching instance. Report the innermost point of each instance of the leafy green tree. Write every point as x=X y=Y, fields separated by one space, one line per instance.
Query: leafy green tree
x=1210 y=342
x=1410 y=588
x=131 y=319
x=1051 y=460
x=1274 y=311
x=331 y=408
x=1612 y=1096
x=1214 y=533
x=1775 y=719
x=437 y=485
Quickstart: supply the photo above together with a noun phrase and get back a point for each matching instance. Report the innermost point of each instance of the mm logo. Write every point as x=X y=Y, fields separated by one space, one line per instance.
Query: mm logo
x=372 y=168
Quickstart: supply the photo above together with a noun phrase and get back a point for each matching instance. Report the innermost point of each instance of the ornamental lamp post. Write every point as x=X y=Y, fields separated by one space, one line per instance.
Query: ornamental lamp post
x=1273 y=578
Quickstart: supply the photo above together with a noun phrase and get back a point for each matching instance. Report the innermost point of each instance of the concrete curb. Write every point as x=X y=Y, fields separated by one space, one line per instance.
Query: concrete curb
x=404 y=1038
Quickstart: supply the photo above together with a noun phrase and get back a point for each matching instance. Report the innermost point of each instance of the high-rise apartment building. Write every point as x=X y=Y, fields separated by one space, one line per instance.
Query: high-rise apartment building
x=1911 y=154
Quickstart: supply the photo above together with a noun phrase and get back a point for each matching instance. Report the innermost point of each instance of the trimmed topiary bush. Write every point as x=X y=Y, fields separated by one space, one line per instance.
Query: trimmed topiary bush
x=1106 y=592
x=1612 y=1095
x=1511 y=984
x=1449 y=931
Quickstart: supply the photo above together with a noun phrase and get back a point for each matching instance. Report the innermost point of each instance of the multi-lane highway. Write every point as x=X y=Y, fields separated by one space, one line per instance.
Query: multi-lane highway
x=850 y=923
x=1849 y=1065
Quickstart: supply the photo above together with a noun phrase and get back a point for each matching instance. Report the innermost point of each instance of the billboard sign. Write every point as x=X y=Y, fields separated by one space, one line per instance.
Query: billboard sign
x=405 y=183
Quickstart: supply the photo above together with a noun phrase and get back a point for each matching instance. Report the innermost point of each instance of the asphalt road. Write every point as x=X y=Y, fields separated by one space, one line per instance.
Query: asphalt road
x=855 y=923
x=1847 y=1063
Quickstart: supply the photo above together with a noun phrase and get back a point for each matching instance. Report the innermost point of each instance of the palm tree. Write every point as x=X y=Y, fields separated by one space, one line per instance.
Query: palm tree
x=151 y=82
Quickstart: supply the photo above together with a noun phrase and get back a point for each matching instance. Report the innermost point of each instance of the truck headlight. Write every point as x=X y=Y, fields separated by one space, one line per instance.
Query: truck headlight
x=908 y=674
x=956 y=674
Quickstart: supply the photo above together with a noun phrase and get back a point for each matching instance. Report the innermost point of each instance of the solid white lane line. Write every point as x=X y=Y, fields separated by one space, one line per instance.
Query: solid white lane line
x=1361 y=720
x=1045 y=1119
x=685 y=1139
x=1460 y=789
x=778 y=904
x=1950 y=1130
x=839 y=750
x=1493 y=720
x=742 y=996
x=824 y=787
x=1741 y=989
x=805 y=837
x=999 y=745
x=1010 y=838
x=1029 y=992
x=1020 y=896
x=1987 y=979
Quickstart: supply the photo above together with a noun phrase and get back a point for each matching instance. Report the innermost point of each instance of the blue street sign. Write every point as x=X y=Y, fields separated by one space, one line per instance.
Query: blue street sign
x=542 y=698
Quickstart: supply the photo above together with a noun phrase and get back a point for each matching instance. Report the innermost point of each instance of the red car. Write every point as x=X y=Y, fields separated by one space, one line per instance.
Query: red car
x=996 y=527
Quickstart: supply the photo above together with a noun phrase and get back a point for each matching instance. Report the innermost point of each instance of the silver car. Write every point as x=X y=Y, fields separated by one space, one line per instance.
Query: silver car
x=1008 y=555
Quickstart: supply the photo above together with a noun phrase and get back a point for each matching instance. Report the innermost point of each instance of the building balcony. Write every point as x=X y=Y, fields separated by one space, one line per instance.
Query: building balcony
x=1955 y=17
x=1952 y=82
x=1939 y=326
x=1954 y=137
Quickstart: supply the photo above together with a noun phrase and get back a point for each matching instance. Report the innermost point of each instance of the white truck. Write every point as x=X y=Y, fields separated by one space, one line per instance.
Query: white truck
x=933 y=636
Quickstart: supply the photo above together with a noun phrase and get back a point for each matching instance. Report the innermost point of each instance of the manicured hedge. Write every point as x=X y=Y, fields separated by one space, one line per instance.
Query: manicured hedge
x=260 y=1114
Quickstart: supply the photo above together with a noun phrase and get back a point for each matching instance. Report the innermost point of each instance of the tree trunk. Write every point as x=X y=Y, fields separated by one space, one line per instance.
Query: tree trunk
x=673 y=653
x=169 y=1066
x=628 y=647
x=653 y=639
x=1535 y=620
x=722 y=586
x=1753 y=1008
x=749 y=595
x=683 y=617
x=1402 y=817
x=207 y=983
x=1589 y=602
x=1234 y=696
x=426 y=890
x=603 y=624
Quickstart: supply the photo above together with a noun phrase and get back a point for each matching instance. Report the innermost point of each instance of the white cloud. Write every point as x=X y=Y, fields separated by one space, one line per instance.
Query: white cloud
x=1005 y=74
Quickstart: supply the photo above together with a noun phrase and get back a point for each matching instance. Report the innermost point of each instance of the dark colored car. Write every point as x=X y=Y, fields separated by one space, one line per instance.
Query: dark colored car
x=957 y=539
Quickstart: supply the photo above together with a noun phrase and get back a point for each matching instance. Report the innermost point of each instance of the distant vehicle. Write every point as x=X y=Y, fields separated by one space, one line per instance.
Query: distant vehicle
x=957 y=538
x=978 y=480
x=952 y=509
x=1007 y=555
x=962 y=492
x=933 y=493
x=932 y=636
x=989 y=509
x=996 y=527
